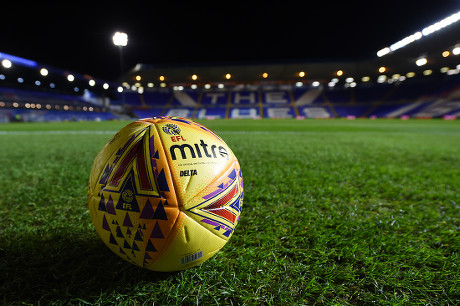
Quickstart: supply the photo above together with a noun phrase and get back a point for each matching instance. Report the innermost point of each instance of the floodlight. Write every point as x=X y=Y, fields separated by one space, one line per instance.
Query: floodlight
x=349 y=80
x=70 y=78
x=427 y=72
x=383 y=52
x=44 y=72
x=120 y=39
x=6 y=63
x=456 y=51
x=421 y=61
x=418 y=35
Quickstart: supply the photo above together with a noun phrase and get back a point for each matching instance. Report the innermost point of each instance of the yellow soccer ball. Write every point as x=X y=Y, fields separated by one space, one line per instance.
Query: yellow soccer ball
x=165 y=193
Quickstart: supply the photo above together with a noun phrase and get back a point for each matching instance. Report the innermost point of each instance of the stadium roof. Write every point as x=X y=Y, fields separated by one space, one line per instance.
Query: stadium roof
x=401 y=61
x=78 y=37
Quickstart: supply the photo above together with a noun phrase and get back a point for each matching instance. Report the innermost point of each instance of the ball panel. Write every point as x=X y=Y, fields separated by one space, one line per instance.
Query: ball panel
x=192 y=245
x=133 y=204
x=218 y=206
x=195 y=156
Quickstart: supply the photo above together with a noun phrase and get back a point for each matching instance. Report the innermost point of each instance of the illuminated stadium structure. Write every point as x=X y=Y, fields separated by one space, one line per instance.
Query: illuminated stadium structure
x=417 y=76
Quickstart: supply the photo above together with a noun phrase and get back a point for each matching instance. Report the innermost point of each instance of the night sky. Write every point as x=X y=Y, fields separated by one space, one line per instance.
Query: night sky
x=77 y=35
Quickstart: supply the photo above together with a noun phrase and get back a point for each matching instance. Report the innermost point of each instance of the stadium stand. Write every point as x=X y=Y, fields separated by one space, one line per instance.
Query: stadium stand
x=412 y=97
x=395 y=87
x=39 y=106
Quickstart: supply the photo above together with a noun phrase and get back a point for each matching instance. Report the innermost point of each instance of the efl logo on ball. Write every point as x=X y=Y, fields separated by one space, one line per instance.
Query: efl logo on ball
x=165 y=193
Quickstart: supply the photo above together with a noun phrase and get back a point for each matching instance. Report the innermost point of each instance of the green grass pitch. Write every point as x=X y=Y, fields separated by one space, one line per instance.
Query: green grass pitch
x=335 y=212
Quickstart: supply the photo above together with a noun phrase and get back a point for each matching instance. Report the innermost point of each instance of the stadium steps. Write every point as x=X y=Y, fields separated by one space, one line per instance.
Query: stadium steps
x=379 y=102
x=293 y=103
x=329 y=104
x=229 y=105
x=167 y=106
x=260 y=102
x=198 y=104
x=141 y=97
x=307 y=98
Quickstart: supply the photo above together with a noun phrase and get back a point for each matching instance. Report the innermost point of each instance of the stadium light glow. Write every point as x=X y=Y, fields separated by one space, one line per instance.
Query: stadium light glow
x=105 y=86
x=383 y=52
x=92 y=83
x=18 y=60
x=441 y=24
x=44 y=72
x=302 y=74
x=194 y=77
x=120 y=39
x=365 y=79
x=382 y=69
x=70 y=78
x=265 y=75
x=456 y=51
x=421 y=61
x=6 y=63
x=138 y=78
x=418 y=35
x=228 y=76
x=444 y=69
x=162 y=78
x=349 y=80
x=120 y=89
x=427 y=72
x=445 y=53
x=339 y=72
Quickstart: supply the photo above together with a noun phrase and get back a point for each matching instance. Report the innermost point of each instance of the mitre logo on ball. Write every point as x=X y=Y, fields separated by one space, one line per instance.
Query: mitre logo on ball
x=165 y=193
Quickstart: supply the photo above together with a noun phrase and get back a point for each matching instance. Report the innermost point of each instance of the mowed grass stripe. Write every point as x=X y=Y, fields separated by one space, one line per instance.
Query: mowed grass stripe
x=335 y=212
